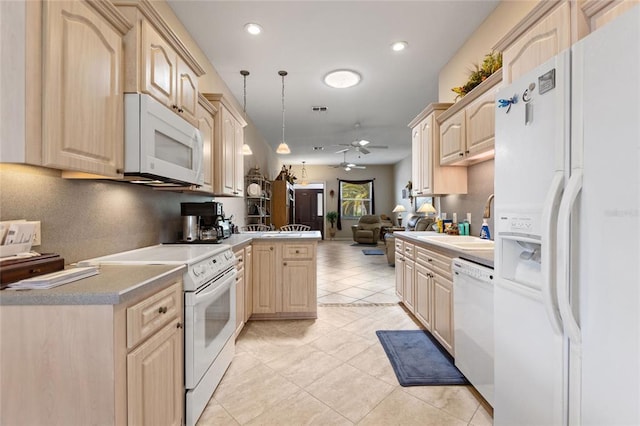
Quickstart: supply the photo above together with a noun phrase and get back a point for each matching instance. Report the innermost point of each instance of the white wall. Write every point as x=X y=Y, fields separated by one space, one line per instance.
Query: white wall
x=456 y=72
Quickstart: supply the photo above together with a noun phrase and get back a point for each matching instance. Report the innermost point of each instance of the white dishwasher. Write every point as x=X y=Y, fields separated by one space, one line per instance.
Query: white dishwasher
x=473 y=319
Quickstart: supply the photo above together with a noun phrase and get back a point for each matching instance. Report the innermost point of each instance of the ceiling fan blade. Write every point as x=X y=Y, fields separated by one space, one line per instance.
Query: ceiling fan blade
x=378 y=146
x=363 y=150
x=342 y=150
x=358 y=167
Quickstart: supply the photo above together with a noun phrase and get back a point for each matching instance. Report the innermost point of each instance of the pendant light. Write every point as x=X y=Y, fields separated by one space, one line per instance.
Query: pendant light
x=304 y=181
x=246 y=149
x=283 y=148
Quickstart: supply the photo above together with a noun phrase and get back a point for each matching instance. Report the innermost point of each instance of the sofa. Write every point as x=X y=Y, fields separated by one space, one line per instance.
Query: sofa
x=367 y=231
x=414 y=223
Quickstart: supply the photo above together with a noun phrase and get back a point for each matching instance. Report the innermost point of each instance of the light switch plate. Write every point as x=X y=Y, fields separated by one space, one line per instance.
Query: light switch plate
x=37 y=235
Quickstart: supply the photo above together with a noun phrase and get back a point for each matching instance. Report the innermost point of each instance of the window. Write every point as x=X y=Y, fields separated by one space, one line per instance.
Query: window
x=356 y=198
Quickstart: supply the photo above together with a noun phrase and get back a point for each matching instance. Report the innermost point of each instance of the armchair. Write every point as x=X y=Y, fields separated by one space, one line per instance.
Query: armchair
x=367 y=231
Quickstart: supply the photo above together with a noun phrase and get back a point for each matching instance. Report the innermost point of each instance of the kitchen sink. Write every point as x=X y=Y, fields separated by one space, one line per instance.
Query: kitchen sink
x=462 y=242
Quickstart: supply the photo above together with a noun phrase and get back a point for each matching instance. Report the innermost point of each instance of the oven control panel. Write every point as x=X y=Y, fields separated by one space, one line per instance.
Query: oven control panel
x=205 y=270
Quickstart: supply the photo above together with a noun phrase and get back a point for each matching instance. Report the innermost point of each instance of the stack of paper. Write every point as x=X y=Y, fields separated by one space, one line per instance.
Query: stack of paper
x=54 y=279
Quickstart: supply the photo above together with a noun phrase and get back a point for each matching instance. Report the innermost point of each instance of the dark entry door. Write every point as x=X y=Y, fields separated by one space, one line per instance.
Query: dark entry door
x=308 y=211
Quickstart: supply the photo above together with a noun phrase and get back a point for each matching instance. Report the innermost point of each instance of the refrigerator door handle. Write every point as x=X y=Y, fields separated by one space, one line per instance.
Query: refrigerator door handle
x=574 y=186
x=547 y=250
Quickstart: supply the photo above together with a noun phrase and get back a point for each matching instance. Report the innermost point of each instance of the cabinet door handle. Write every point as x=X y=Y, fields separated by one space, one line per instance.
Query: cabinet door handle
x=271 y=248
x=180 y=110
x=466 y=152
x=461 y=154
x=429 y=260
x=284 y=263
x=179 y=325
x=174 y=106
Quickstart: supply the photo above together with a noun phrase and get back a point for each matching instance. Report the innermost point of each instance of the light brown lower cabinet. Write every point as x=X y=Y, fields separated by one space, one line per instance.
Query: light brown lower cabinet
x=425 y=278
x=244 y=288
x=284 y=279
x=95 y=364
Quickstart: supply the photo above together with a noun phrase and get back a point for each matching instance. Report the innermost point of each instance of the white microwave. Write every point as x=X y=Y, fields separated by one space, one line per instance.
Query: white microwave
x=161 y=148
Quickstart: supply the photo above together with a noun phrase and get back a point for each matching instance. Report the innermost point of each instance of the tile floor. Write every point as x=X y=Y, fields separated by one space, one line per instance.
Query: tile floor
x=333 y=370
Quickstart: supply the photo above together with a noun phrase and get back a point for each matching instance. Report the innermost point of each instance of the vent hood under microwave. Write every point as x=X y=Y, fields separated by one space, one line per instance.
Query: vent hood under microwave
x=161 y=148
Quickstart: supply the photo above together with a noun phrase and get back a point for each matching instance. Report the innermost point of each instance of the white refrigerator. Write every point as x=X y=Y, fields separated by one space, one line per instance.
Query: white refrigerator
x=567 y=203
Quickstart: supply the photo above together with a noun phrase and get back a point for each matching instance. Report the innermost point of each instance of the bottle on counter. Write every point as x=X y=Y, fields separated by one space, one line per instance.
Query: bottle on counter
x=484 y=231
x=465 y=227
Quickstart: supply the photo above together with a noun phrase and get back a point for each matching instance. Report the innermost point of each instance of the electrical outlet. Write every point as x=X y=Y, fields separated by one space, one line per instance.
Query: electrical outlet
x=37 y=235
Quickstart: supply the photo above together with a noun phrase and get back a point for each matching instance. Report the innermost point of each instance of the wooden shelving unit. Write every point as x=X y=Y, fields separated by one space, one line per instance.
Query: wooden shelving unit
x=258 y=206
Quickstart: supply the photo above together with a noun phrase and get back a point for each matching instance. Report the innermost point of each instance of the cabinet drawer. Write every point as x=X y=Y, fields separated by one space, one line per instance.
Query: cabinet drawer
x=151 y=314
x=297 y=251
x=240 y=258
x=408 y=250
x=439 y=263
x=399 y=245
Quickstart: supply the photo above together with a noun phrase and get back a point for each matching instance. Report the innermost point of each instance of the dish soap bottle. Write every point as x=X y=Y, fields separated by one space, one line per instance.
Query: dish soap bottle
x=484 y=231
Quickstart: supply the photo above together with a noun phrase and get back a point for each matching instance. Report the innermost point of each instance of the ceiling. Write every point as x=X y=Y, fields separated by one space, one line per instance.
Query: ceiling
x=308 y=39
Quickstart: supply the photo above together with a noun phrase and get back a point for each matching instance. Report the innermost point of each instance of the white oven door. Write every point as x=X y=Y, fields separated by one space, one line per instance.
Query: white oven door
x=210 y=314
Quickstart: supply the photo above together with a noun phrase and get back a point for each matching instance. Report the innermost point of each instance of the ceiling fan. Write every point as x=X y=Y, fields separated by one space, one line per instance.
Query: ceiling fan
x=360 y=146
x=347 y=166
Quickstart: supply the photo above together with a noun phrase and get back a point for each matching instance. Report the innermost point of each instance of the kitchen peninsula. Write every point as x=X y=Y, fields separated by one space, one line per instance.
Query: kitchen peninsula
x=283 y=270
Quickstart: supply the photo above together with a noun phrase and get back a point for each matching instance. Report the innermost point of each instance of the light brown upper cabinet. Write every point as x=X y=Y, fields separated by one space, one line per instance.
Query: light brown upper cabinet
x=597 y=13
x=205 y=114
x=228 y=162
x=542 y=34
x=158 y=63
x=428 y=177
x=467 y=129
x=71 y=94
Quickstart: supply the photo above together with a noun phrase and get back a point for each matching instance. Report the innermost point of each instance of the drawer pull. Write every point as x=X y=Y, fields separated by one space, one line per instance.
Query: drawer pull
x=284 y=263
x=179 y=325
x=297 y=251
x=34 y=271
x=162 y=310
x=429 y=259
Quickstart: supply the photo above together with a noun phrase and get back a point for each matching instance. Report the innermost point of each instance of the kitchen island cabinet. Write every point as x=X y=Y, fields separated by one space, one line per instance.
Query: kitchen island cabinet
x=103 y=350
x=284 y=278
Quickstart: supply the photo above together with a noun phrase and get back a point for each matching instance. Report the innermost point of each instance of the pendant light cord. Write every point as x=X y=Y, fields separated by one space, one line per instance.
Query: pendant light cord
x=283 y=74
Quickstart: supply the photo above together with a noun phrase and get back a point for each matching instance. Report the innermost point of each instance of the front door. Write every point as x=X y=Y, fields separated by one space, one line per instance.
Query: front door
x=309 y=208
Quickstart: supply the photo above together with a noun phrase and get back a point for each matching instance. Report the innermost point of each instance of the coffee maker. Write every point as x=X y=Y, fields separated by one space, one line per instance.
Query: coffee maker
x=203 y=223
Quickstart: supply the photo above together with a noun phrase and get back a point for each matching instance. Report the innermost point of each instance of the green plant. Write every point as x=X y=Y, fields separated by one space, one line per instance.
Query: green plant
x=332 y=217
x=492 y=62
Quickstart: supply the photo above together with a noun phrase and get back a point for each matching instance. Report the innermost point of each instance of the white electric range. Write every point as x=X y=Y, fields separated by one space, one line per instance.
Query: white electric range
x=209 y=311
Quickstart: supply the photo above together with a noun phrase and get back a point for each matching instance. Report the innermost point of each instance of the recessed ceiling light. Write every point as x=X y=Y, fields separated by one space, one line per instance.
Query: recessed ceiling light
x=341 y=79
x=253 y=29
x=399 y=45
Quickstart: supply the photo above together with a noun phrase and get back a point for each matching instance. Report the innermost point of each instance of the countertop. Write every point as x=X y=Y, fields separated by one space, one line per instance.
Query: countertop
x=482 y=257
x=114 y=284
x=236 y=241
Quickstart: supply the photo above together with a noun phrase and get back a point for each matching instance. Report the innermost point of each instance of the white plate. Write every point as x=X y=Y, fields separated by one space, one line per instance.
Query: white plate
x=254 y=190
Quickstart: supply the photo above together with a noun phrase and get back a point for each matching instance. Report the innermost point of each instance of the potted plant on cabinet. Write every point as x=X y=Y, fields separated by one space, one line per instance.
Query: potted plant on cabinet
x=332 y=217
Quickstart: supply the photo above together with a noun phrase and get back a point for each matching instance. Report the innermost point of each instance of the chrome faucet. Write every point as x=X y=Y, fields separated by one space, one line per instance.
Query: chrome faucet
x=487 y=207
